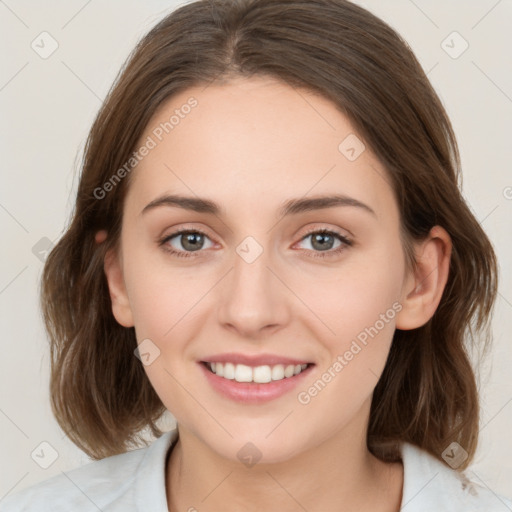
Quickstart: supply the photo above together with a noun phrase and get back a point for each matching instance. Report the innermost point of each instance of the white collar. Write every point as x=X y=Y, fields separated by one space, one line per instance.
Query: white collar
x=429 y=484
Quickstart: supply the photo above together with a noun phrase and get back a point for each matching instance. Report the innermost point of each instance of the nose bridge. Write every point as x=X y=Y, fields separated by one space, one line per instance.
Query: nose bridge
x=253 y=298
x=251 y=264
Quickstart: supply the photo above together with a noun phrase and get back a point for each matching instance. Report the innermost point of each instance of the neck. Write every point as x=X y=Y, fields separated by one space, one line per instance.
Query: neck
x=339 y=474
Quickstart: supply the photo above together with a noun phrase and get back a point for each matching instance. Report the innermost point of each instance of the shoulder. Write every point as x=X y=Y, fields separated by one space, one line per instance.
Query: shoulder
x=429 y=484
x=130 y=481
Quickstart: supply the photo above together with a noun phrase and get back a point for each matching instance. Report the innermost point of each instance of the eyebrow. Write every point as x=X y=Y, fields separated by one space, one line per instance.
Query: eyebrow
x=289 y=207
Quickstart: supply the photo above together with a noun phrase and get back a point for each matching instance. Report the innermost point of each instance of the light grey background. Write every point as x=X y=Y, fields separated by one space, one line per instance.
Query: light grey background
x=47 y=107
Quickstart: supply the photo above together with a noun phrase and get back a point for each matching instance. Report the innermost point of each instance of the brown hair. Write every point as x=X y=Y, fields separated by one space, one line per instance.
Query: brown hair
x=427 y=394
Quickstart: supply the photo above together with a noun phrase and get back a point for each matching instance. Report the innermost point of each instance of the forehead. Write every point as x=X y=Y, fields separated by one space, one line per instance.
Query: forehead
x=252 y=143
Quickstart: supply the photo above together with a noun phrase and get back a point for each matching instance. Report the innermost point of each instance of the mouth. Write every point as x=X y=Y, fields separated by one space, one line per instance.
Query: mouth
x=262 y=374
x=253 y=380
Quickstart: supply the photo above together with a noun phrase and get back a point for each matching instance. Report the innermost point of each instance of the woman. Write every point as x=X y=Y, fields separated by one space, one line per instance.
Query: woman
x=269 y=242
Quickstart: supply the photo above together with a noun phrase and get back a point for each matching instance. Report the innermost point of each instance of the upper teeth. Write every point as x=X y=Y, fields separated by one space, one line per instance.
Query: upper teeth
x=259 y=374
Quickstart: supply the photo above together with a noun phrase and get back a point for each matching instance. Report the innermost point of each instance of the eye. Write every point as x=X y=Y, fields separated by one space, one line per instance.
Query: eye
x=187 y=242
x=323 y=240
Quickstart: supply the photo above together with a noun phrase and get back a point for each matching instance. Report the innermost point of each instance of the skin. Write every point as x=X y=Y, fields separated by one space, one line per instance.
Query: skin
x=250 y=145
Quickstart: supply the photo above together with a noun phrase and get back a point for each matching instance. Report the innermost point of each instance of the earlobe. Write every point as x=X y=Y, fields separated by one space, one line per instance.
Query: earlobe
x=423 y=290
x=118 y=296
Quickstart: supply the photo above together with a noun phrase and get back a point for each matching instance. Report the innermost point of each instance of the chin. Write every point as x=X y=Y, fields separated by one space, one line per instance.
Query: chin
x=250 y=449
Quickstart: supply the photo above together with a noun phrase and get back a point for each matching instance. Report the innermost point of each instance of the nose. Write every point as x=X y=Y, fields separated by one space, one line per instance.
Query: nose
x=253 y=300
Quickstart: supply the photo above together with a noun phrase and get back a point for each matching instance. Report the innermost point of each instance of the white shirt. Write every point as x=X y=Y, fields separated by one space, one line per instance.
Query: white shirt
x=135 y=481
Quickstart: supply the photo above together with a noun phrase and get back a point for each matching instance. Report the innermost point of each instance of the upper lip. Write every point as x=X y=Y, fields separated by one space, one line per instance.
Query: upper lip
x=254 y=360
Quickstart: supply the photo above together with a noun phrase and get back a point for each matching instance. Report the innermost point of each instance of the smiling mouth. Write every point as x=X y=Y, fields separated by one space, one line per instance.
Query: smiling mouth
x=258 y=374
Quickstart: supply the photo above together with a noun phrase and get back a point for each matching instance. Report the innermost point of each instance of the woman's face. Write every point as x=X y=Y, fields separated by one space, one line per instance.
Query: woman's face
x=255 y=286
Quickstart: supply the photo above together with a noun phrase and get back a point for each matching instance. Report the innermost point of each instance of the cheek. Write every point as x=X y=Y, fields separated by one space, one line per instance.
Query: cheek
x=361 y=295
x=161 y=296
x=362 y=316
x=359 y=308
x=163 y=309
x=165 y=303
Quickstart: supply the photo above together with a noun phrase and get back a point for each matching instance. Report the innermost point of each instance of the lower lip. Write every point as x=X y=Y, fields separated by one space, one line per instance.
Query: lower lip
x=252 y=392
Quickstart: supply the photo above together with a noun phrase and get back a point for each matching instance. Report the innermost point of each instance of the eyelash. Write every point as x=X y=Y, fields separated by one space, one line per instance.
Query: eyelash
x=346 y=242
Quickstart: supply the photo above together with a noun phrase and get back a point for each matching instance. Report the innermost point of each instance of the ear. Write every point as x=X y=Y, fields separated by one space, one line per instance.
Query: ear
x=120 y=304
x=424 y=288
